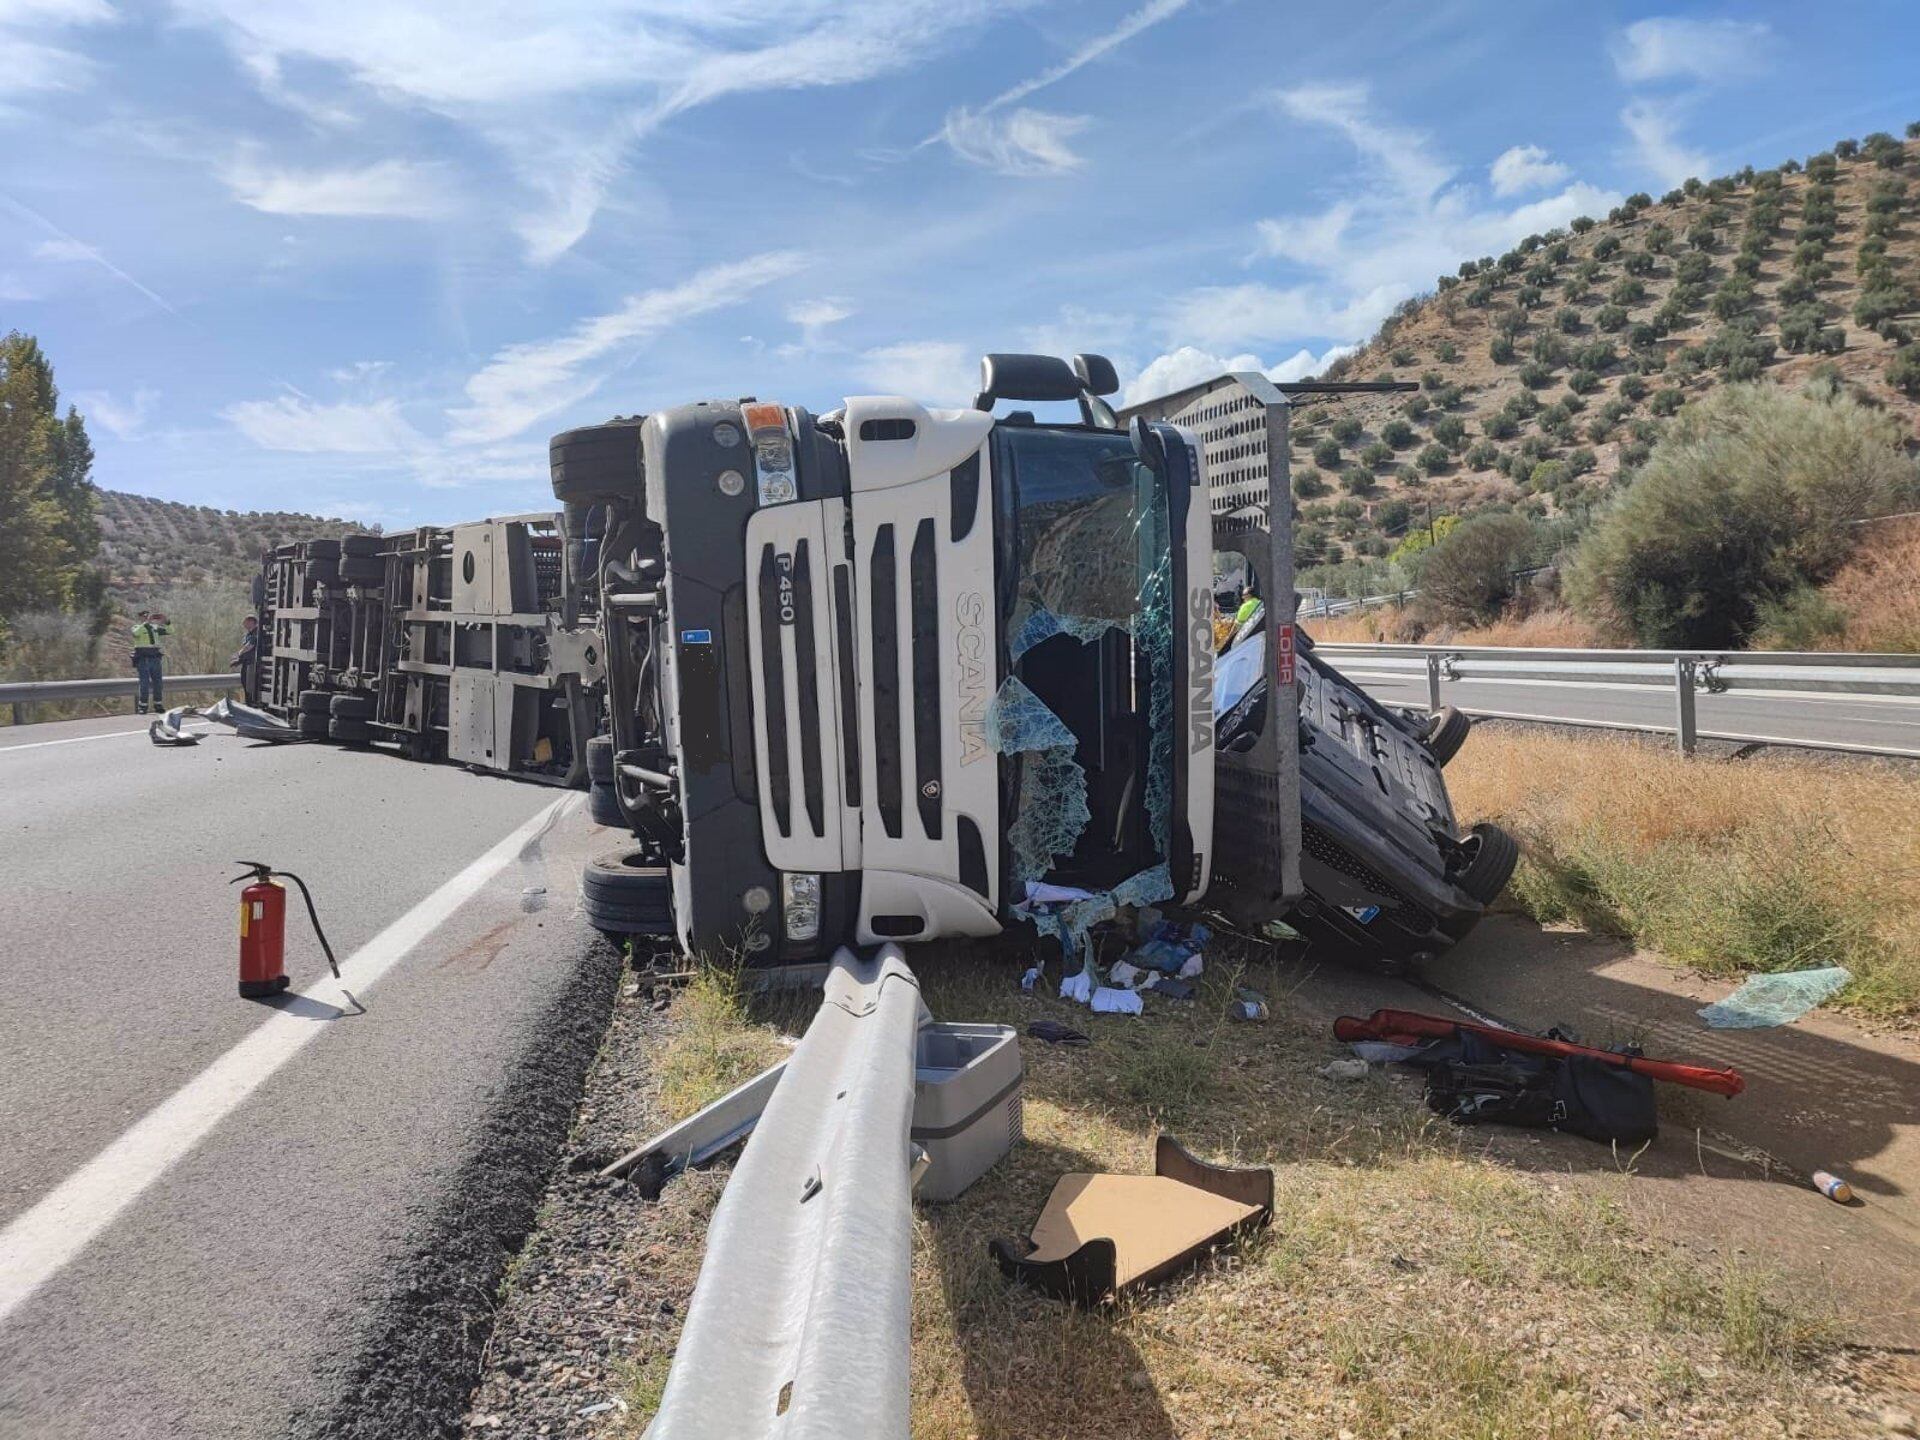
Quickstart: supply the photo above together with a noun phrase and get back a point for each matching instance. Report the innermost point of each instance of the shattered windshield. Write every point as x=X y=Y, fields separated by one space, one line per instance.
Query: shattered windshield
x=1087 y=708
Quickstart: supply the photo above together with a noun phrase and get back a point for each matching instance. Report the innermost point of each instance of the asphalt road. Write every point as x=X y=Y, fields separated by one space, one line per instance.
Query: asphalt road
x=205 y=1201
x=1889 y=724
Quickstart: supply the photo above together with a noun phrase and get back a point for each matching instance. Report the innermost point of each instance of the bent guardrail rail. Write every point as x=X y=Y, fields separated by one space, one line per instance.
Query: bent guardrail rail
x=799 y=1324
x=1796 y=675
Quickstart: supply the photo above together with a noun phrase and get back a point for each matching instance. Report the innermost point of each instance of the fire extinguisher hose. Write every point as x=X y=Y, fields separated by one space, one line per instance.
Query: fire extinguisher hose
x=314 y=916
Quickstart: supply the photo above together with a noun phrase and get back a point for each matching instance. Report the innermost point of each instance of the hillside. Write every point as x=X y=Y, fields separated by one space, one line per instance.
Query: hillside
x=1548 y=372
x=146 y=543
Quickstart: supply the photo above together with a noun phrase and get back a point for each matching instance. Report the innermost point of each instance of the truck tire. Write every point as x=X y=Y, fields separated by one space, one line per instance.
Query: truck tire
x=313 y=726
x=323 y=549
x=624 y=891
x=316 y=702
x=596 y=461
x=325 y=570
x=600 y=759
x=1446 y=733
x=359 y=547
x=1492 y=854
x=604 y=806
x=349 y=732
x=363 y=570
x=351 y=707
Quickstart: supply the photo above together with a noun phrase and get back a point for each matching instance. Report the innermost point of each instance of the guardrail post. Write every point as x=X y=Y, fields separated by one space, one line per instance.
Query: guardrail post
x=1433 y=684
x=1686 y=730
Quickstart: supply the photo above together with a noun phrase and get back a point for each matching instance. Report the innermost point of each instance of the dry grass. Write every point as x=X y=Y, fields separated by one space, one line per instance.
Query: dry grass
x=1548 y=627
x=716 y=1045
x=1879 y=591
x=1773 y=863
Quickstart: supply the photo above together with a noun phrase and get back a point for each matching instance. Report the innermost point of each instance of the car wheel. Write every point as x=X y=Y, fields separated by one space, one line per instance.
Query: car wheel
x=316 y=702
x=1491 y=855
x=600 y=760
x=596 y=461
x=1446 y=733
x=351 y=707
x=604 y=806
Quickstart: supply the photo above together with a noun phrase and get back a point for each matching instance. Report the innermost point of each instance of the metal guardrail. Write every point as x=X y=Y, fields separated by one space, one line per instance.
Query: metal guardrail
x=22 y=693
x=1798 y=674
x=799 y=1325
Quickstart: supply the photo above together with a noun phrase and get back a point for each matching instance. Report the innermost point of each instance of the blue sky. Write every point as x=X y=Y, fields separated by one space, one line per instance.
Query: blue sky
x=363 y=257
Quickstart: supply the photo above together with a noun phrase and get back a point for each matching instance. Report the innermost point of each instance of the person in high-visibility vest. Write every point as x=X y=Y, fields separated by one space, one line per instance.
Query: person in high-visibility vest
x=1249 y=606
x=147 y=630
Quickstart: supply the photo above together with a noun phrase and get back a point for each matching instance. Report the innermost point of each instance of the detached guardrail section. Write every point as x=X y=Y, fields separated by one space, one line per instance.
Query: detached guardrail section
x=800 y=1323
x=1686 y=674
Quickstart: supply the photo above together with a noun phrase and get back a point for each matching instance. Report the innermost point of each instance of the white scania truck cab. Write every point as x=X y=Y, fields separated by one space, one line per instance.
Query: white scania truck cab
x=891 y=672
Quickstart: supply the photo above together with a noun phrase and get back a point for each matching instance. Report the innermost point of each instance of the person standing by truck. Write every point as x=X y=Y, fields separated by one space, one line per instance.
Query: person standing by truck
x=248 y=655
x=149 y=627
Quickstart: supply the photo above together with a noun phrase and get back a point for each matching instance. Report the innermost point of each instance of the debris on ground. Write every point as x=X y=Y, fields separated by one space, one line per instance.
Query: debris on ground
x=1345 y=1070
x=1248 y=1004
x=1102 y=1235
x=1777 y=999
x=1054 y=1033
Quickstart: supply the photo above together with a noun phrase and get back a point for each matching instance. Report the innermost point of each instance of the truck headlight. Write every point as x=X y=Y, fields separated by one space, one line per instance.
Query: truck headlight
x=800 y=905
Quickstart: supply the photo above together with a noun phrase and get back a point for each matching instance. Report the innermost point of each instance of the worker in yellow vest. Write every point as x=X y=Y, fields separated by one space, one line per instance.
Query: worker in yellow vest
x=148 y=627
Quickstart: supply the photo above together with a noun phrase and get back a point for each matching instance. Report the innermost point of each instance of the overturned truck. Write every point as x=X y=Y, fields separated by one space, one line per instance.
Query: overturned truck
x=899 y=673
x=473 y=643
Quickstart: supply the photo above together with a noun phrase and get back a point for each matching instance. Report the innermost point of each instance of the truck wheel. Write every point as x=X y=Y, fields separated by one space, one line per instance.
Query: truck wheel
x=323 y=549
x=325 y=570
x=351 y=707
x=349 y=732
x=596 y=461
x=360 y=547
x=600 y=760
x=316 y=702
x=625 y=888
x=363 y=570
x=604 y=806
x=313 y=726
x=1491 y=855
x=1446 y=733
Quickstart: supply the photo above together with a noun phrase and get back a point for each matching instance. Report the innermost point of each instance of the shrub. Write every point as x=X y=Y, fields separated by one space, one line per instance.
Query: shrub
x=1595 y=355
x=1481 y=455
x=1633 y=387
x=1376 y=454
x=1800 y=327
x=1416 y=406
x=1642 y=335
x=1356 y=479
x=1533 y=374
x=1522 y=404
x=1877 y=307
x=1639 y=263
x=1468 y=576
x=1665 y=402
x=1734 y=297
x=1887 y=197
x=1403 y=356
x=1692 y=269
x=1397 y=433
x=1581 y=461
x=1796 y=290
x=1903 y=370
x=1481 y=295
x=1500 y=427
x=1432 y=380
x=1528 y=297
x=1451 y=431
x=1583 y=382
x=1500 y=350
x=1309 y=484
x=1846 y=149
x=1326 y=453
x=1447 y=352
x=1606 y=247
x=1658 y=239
x=1434 y=458
x=1611 y=318
x=1346 y=429
x=1547 y=477
x=1752 y=492
x=1447 y=397
x=1549 y=348
x=1581 y=224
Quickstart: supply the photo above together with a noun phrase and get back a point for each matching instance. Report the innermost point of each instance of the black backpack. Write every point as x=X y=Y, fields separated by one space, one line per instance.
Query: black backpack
x=1579 y=1095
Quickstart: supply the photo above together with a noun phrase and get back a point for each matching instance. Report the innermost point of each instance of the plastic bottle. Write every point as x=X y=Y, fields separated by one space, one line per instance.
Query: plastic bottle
x=1833 y=1187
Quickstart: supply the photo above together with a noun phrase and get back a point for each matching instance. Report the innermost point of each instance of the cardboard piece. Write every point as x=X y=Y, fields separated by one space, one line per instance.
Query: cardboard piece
x=1101 y=1235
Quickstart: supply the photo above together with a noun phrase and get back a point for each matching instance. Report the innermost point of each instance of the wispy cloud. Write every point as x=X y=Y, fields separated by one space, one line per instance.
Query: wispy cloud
x=527 y=381
x=396 y=189
x=1653 y=124
x=296 y=423
x=936 y=372
x=60 y=247
x=125 y=419
x=1525 y=167
x=1668 y=47
x=1034 y=142
x=1015 y=142
x=29 y=59
x=1189 y=365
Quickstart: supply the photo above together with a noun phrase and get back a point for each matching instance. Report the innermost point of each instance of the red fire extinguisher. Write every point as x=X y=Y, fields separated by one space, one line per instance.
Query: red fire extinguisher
x=263 y=929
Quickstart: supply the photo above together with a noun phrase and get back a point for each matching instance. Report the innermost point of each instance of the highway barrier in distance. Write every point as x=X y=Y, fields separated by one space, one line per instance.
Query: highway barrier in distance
x=22 y=693
x=1801 y=681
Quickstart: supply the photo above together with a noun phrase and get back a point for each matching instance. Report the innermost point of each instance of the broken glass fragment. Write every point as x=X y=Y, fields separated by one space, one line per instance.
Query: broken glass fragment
x=1018 y=720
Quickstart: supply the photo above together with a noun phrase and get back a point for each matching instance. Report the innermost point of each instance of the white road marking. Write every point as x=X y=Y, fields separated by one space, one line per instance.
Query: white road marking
x=71 y=740
x=40 y=1243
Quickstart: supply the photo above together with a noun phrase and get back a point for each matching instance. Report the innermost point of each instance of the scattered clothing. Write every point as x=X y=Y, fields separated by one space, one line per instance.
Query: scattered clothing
x=1077 y=987
x=1170 y=987
x=1041 y=893
x=1109 y=1000
x=1766 y=1000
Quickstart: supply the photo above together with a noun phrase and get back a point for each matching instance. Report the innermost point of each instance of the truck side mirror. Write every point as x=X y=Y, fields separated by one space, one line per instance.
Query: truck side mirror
x=1147 y=444
x=1025 y=377
x=1096 y=373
